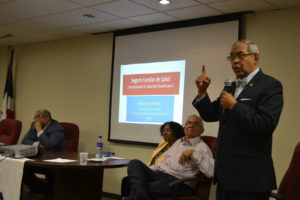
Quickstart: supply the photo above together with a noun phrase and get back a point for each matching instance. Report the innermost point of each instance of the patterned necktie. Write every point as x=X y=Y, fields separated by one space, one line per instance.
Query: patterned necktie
x=240 y=83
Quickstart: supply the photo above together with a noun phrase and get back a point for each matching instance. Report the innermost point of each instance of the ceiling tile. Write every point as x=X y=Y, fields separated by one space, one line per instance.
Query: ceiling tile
x=91 y=2
x=210 y=1
x=20 y=9
x=241 y=5
x=67 y=19
x=175 y=4
x=285 y=3
x=91 y=28
x=35 y=25
x=193 y=12
x=60 y=34
x=124 y=8
x=107 y=26
x=29 y=19
x=153 y=18
x=120 y=24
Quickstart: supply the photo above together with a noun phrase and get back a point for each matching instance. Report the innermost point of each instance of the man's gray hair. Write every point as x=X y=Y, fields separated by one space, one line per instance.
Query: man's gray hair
x=252 y=47
x=45 y=112
x=200 y=119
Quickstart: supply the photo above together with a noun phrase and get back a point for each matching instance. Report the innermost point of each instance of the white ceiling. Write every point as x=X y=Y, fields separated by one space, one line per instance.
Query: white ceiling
x=31 y=21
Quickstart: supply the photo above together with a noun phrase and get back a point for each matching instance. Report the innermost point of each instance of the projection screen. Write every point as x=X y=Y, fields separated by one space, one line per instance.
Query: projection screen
x=153 y=77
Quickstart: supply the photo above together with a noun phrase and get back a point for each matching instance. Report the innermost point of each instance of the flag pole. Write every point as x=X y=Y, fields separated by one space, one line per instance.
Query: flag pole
x=7 y=107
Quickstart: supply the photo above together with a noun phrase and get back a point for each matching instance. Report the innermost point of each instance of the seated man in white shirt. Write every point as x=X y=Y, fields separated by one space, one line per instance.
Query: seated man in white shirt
x=187 y=157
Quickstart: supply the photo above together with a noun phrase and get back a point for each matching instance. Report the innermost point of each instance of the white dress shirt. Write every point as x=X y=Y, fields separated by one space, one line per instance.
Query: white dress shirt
x=247 y=79
x=201 y=160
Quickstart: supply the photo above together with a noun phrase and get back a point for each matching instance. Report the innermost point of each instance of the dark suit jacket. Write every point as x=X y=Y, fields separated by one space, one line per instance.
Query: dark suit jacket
x=243 y=158
x=52 y=138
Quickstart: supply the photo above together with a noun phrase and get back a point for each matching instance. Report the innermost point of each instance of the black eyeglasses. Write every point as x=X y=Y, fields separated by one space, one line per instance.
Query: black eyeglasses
x=189 y=123
x=39 y=116
x=240 y=56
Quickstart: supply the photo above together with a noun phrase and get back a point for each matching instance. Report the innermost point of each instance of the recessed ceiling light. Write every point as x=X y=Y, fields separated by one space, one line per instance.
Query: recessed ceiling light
x=164 y=2
x=88 y=16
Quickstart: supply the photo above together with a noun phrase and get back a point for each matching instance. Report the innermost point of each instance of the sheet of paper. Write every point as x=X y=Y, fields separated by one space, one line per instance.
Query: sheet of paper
x=116 y=158
x=103 y=159
x=60 y=160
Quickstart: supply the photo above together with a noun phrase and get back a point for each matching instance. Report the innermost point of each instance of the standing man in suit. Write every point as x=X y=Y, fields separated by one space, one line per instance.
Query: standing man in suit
x=248 y=112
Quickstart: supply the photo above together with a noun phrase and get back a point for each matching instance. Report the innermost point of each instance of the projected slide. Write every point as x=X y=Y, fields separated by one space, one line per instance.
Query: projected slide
x=151 y=93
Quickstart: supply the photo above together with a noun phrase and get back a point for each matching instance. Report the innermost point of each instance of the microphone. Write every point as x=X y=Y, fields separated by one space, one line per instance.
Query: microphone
x=227 y=84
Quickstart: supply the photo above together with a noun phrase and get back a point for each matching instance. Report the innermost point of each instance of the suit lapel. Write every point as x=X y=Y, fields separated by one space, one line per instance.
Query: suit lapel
x=232 y=88
x=251 y=84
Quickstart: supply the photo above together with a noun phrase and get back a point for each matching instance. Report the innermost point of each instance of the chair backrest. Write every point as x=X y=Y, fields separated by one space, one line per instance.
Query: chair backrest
x=289 y=186
x=10 y=130
x=71 y=136
x=203 y=189
x=211 y=141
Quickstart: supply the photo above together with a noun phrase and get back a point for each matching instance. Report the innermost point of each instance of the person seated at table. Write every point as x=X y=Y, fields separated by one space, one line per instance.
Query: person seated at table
x=47 y=134
x=188 y=156
x=170 y=131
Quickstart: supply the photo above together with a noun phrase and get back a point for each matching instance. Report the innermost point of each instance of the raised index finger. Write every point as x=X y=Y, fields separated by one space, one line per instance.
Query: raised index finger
x=203 y=69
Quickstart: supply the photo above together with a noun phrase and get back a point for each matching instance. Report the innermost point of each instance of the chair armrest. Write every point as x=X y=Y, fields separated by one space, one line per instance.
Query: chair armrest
x=178 y=182
x=175 y=184
x=276 y=196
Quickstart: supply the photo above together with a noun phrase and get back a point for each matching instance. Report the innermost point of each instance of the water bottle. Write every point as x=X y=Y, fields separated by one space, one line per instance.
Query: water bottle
x=99 y=148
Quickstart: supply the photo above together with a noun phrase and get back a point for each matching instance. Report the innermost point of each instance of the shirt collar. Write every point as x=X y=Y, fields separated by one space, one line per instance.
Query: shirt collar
x=192 y=141
x=251 y=75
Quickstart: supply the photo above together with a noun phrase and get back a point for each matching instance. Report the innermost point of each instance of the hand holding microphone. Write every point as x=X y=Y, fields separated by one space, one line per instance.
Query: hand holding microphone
x=227 y=101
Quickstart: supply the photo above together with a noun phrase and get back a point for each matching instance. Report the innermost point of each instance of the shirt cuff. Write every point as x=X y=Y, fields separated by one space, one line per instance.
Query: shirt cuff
x=197 y=100
x=40 y=133
x=36 y=144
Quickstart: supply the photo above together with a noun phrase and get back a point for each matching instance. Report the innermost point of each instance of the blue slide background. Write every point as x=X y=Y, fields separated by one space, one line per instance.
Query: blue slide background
x=157 y=109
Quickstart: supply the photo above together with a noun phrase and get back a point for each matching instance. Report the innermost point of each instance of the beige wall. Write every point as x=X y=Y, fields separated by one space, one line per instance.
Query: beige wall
x=277 y=34
x=71 y=78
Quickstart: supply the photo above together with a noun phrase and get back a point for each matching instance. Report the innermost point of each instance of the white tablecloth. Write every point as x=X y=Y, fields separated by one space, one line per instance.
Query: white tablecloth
x=11 y=172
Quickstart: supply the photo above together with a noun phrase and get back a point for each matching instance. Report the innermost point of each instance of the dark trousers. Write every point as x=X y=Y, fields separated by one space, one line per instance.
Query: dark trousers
x=223 y=194
x=35 y=184
x=155 y=183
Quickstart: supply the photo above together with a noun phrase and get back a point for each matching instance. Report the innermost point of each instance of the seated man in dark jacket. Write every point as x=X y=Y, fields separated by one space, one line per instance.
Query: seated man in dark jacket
x=46 y=133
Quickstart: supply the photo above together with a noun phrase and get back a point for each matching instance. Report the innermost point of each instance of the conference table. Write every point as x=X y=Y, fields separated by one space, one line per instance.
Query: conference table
x=72 y=180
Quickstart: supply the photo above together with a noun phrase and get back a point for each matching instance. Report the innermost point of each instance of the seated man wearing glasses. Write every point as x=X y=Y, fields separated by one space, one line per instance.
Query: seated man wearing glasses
x=46 y=133
x=188 y=156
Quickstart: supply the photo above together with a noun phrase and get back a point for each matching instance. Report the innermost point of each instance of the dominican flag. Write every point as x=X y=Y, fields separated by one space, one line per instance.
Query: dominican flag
x=7 y=110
